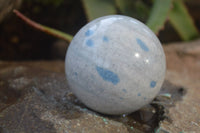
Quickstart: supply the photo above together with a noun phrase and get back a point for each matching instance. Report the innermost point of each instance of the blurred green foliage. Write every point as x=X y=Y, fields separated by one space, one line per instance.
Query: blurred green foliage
x=182 y=21
x=152 y=12
x=155 y=13
x=96 y=8
x=137 y=8
x=159 y=14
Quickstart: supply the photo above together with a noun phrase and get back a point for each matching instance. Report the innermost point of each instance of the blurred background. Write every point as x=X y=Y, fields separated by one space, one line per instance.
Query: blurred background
x=171 y=21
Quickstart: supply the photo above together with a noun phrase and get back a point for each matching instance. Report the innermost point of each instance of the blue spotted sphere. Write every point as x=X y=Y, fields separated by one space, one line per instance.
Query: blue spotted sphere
x=115 y=65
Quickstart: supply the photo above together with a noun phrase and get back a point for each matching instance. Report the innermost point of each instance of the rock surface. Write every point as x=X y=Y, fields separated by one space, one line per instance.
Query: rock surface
x=183 y=64
x=6 y=6
x=34 y=97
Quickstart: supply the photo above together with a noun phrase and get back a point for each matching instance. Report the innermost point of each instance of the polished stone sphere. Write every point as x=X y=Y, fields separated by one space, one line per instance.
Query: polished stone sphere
x=115 y=65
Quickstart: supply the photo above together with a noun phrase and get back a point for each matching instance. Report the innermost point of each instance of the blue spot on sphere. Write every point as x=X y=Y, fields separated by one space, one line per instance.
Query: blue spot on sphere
x=108 y=75
x=124 y=90
x=153 y=84
x=75 y=73
x=89 y=43
x=139 y=94
x=89 y=32
x=142 y=45
x=105 y=39
x=121 y=98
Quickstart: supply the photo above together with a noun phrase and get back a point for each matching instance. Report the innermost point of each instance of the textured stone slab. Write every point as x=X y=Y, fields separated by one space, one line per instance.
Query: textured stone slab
x=183 y=63
x=34 y=97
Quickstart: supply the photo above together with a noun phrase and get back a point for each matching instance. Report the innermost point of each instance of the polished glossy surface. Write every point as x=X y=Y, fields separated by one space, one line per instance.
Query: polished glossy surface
x=115 y=65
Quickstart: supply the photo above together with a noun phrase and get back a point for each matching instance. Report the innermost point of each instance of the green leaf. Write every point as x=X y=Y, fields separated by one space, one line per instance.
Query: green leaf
x=182 y=21
x=98 y=8
x=137 y=8
x=43 y=28
x=159 y=14
x=57 y=33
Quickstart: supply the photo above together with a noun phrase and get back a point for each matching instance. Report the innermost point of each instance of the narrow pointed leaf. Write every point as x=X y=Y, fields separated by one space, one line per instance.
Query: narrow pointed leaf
x=182 y=21
x=137 y=9
x=159 y=14
x=48 y=30
x=98 y=8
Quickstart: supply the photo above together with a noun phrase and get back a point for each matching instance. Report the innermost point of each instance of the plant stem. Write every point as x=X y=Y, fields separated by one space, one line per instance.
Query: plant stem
x=48 y=30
